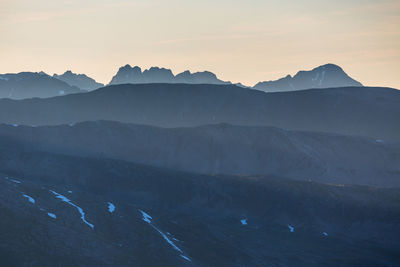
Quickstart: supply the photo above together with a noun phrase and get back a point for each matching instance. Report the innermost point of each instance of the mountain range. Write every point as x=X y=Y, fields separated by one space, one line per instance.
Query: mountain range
x=29 y=84
x=159 y=169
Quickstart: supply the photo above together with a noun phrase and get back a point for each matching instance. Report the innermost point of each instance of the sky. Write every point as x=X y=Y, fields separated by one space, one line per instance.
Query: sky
x=241 y=41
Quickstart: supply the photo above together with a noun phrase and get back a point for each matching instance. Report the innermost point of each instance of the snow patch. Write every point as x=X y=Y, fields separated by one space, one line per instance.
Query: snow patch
x=243 y=221
x=12 y=180
x=111 y=207
x=186 y=258
x=61 y=92
x=147 y=218
x=52 y=215
x=63 y=198
x=29 y=198
x=379 y=141
x=167 y=239
x=291 y=228
x=15 y=125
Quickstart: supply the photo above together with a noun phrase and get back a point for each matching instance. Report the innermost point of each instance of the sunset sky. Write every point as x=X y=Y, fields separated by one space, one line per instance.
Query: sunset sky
x=241 y=41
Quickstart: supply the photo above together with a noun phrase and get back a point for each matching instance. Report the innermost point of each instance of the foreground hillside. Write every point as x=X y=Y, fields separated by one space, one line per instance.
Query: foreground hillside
x=221 y=149
x=62 y=211
x=364 y=111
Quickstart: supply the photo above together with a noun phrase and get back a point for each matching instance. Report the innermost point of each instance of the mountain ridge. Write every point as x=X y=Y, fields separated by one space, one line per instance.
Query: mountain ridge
x=223 y=149
x=348 y=111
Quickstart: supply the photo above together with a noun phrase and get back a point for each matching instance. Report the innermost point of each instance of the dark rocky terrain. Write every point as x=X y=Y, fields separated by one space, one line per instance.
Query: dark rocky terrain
x=365 y=111
x=325 y=76
x=222 y=149
x=79 y=80
x=33 y=84
x=196 y=220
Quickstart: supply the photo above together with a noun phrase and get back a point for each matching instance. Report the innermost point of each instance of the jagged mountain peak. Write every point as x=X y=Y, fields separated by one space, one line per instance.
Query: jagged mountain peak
x=43 y=73
x=155 y=74
x=128 y=67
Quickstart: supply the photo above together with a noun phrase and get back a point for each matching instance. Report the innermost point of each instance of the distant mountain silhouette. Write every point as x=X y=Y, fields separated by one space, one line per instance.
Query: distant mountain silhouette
x=223 y=149
x=29 y=84
x=366 y=111
x=33 y=84
x=325 y=76
x=79 y=80
x=127 y=74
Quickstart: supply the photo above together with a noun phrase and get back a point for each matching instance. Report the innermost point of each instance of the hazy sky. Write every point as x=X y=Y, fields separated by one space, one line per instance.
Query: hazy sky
x=242 y=41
